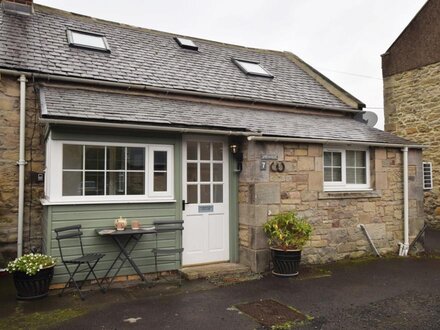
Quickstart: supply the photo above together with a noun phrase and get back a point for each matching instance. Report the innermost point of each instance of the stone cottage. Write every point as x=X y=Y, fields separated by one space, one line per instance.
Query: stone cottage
x=411 y=75
x=100 y=120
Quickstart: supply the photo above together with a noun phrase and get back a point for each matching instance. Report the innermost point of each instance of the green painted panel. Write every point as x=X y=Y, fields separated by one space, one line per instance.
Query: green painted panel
x=233 y=211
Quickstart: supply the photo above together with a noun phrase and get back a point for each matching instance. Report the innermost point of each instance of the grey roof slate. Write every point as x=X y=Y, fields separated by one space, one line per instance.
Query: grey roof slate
x=140 y=56
x=95 y=105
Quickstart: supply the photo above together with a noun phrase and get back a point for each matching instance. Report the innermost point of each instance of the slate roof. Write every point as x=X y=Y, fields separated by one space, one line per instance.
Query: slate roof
x=140 y=56
x=95 y=105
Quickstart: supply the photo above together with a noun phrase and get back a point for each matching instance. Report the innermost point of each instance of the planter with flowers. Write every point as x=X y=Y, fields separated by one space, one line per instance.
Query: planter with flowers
x=32 y=275
x=287 y=235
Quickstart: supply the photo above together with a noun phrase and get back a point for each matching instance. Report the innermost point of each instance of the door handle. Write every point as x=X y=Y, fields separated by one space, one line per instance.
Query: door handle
x=183 y=205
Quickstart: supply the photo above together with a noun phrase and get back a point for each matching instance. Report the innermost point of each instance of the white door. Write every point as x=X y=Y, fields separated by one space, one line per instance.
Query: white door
x=205 y=192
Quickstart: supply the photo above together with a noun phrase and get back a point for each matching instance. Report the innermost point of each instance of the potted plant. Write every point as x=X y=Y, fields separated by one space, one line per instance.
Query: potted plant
x=287 y=234
x=32 y=275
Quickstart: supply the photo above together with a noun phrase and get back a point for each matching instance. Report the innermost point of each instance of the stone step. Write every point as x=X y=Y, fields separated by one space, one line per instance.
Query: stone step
x=211 y=270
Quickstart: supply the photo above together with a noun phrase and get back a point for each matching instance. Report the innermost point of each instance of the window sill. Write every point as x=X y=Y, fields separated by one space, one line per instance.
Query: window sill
x=349 y=194
x=46 y=202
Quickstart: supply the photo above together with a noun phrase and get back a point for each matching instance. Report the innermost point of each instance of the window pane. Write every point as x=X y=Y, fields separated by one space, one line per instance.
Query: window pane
x=115 y=183
x=160 y=160
x=191 y=194
x=115 y=158
x=205 y=172
x=160 y=181
x=361 y=177
x=191 y=150
x=136 y=159
x=205 y=153
x=88 y=40
x=94 y=183
x=72 y=157
x=135 y=183
x=361 y=159
x=205 y=193
x=350 y=158
x=351 y=178
x=328 y=174
x=327 y=158
x=94 y=158
x=217 y=172
x=337 y=175
x=72 y=183
x=191 y=172
x=218 y=193
x=217 y=151
x=337 y=156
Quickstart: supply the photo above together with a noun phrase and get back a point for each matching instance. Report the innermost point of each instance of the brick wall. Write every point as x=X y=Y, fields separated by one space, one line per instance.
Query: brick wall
x=412 y=110
x=334 y=216
x=9 y=145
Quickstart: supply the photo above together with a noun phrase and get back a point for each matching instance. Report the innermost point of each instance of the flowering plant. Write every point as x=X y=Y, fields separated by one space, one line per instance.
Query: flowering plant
x=30 y=263
x=287 y=231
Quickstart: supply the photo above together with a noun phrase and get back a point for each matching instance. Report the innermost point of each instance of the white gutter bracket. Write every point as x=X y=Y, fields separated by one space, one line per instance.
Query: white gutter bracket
x=21 y=165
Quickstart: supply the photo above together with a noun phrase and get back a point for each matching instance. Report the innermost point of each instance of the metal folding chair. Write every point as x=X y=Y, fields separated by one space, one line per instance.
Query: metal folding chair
x=91 y=259
x=166 y=255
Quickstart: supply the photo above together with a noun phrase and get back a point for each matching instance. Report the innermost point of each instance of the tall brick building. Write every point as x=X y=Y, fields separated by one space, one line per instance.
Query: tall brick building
x=411 y=73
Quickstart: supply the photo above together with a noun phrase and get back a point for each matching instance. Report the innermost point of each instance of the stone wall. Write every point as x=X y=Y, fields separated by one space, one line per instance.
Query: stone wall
x=412 y=110
x=9 y=154
x=335 y=216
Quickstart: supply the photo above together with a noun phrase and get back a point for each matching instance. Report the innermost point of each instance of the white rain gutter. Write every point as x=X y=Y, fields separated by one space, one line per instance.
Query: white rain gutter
x=327 y=141
x=21 y=164
x=144 y=127
x=167 y=91
x=403 y=251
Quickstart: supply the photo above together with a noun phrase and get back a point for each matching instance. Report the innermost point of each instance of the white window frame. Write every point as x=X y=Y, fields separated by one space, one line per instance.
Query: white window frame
x=427 y=176
x=343 y=185
x=54 y=175
x=72 y=43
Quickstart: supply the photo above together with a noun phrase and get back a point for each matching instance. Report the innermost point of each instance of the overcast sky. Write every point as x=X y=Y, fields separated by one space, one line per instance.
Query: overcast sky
x=341 y=38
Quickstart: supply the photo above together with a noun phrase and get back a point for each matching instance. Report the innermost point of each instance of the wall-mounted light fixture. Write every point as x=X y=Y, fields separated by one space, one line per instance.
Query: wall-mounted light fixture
x=238 y=156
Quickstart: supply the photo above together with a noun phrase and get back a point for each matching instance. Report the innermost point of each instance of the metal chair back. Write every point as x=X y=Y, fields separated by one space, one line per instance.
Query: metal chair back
x=69 y=232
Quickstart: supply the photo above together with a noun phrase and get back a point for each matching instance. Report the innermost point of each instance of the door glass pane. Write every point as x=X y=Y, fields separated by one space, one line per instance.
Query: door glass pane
x=160 y=160
x=72 y=183
x=205 y=193
x=217 y=172
x=205 y=172
x=191 y=172
x=72 y=157
x=115 y=183
x=217 y=151
x=218 y=193
x=115 y=158
x=191 y=150
x=136 y=159
x=94 y=183
x=94 y=158
x=160 y=181
x=205 y=150
x=191 y=194
x=135 y=183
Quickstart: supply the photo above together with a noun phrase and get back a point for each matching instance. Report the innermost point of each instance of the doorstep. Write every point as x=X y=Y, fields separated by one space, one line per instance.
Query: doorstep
x=210 y=270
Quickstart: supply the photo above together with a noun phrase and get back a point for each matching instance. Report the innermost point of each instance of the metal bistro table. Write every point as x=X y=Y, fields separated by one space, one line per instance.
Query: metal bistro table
x=123 y=238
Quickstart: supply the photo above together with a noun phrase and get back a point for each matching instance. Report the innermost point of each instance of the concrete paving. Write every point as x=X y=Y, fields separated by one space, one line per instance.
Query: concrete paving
x=397 y=293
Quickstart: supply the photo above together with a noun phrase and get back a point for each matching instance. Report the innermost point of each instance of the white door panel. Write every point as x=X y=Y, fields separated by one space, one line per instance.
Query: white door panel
x=205 y=190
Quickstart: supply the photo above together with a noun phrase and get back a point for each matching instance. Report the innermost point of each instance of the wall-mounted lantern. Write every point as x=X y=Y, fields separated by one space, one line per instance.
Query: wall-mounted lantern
x=238 y=156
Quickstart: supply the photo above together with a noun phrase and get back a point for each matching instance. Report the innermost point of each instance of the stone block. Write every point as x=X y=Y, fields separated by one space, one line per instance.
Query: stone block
x=315 y=150
x=257 y=239
x=267 y=193
x=380 y=153
x=260 y=215
x=257 y=260
x=306 y=163
x=376 y=230
x=316 y=181
x=381 y=180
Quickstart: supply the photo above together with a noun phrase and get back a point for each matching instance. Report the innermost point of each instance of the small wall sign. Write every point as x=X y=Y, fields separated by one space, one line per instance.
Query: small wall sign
x=206 y=208
x=269 y=157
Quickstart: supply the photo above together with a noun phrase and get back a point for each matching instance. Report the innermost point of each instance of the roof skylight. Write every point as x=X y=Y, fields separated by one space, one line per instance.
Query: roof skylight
x=87 y=40
x=186 y=43
x=252 y=68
